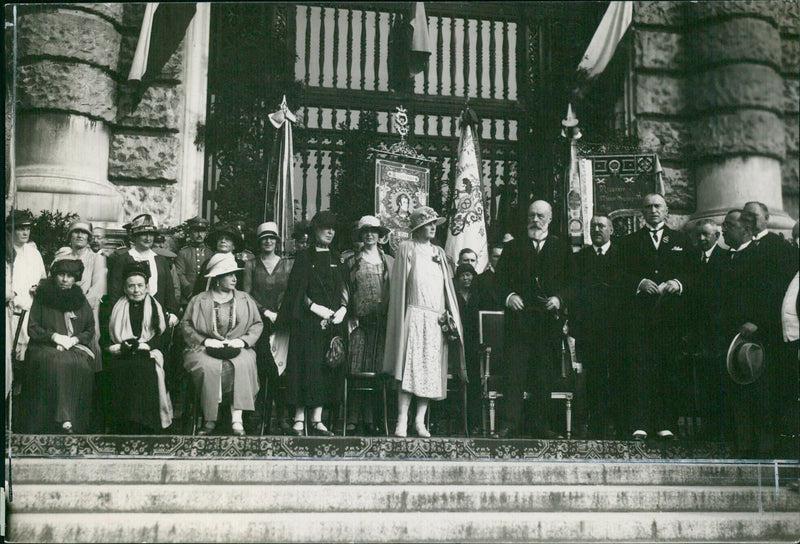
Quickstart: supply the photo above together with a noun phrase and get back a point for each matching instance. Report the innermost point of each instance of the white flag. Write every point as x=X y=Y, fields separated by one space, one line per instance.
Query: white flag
x=604 y=43
x=467 y=227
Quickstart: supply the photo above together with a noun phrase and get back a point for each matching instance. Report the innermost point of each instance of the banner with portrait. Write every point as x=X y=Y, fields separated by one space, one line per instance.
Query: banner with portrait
x=399 y=188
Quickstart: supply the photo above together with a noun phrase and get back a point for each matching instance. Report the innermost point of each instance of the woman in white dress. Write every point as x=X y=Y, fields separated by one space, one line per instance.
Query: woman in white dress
x=417 y=350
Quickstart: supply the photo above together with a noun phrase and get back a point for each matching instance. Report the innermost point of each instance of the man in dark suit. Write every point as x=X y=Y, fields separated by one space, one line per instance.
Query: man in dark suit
x=705 y=299
x=594 y=313
x=656 y=263
x=531 y=277
x=191 y=257
x=486 y=282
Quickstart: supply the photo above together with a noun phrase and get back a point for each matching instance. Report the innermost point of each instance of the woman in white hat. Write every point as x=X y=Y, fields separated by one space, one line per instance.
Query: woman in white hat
x=265 y=279
x=93 y=282
x=368 y=272
x=221 y=327
x=416 y=348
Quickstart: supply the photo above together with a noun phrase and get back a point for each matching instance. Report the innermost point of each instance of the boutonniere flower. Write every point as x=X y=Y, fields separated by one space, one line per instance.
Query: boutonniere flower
x=666 y=239
x=437 y=259
x=677 y=248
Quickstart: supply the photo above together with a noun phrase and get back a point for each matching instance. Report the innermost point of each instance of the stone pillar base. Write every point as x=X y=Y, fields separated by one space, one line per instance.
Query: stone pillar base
x=62 y=164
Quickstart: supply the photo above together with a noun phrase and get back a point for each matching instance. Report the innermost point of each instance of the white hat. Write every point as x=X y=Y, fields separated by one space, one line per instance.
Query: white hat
x=270 y=228
x=372 y=222
x=220 y=264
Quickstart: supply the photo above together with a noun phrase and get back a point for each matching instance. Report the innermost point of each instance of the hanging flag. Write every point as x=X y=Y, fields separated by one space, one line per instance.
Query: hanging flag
x=467 y=225
x=604 y=43
x=280 y=174
x=660 y=188
x=409 y=47
x=163 y=28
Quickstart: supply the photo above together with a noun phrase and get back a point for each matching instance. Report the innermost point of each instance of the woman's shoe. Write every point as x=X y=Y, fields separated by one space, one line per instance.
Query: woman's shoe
x=66 y=427
x=401 y=430
x=207 y=429
x=295 y=431
x=421 y=431
x=319 y=429
x=237 y=429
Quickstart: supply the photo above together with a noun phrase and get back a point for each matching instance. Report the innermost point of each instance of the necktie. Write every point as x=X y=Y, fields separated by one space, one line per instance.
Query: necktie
x=705 y=258
x=599 y=251
x=537 y=245
x=654 y=235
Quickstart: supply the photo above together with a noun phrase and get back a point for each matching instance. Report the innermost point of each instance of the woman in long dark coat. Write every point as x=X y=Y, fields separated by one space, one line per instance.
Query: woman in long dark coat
x=59 y=368
x=314 y=307
x=137 y=330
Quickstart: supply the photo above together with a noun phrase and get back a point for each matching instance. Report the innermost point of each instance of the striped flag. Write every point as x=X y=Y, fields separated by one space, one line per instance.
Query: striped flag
x=280 y=174
x=163 y=28
x=467 y=225
x=609 y=33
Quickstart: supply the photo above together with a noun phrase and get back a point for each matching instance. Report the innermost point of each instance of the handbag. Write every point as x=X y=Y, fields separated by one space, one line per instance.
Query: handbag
x=225 y=352
x=336 y=352
x=449 y=328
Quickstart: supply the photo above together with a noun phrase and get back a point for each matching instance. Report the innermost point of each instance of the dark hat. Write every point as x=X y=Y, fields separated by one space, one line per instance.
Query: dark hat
x=325 y=219
x=225 y=230
x=197 y=223
x=464 y=268
x=141 y=224
x=745 y=360
x=424 y=215
x=160 y=237
x=18 y=218
x=136 y=268
x=74 y=267
x=300 y=230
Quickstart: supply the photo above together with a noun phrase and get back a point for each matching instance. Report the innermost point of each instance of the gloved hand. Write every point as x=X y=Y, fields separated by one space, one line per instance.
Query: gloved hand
x=272 y=316
x=115 y=348
x=338 y=316
x=61 y=340
x=143 y=346
x=213 y=343
x=236 y=343
x=172 y=319
x=322 y=311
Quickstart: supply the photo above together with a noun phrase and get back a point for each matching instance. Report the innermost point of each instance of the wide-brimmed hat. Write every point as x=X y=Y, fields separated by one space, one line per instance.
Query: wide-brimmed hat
x=66 y=265
x=141 y=224
x=464 y=269
x=325 y=219
x=197 y=223
x=424 y=215
x=136 y=268
x=372 y=222
x=270 y=228
x=19 y=218
x=79 y=226
x=224 y=230
x=220 y=264
x=745 y=360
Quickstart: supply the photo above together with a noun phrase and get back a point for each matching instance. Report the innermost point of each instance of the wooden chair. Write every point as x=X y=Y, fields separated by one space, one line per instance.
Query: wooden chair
x=364 y=382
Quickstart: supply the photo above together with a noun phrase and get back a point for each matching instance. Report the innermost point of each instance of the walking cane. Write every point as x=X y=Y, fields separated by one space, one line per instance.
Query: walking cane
x=11 y=402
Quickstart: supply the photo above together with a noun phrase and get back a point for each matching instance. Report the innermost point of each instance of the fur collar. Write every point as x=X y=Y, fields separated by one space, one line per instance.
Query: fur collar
x=51 y=296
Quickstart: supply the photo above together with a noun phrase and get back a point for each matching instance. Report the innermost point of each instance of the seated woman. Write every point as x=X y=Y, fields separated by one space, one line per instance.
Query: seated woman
x=139 y=399
x=221 y=327
x=59 y=369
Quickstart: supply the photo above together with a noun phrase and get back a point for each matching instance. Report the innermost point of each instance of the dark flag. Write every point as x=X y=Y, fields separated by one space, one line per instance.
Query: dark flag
x=409 y=47
x=163 y=28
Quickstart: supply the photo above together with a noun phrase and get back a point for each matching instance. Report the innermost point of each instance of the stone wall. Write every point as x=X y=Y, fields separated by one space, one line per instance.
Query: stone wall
x=715 y=81
x=144 y=151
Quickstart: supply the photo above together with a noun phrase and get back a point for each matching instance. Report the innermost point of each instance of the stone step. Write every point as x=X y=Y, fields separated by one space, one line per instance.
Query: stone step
x=370 y=472
x=172 y=498
x=405 y=527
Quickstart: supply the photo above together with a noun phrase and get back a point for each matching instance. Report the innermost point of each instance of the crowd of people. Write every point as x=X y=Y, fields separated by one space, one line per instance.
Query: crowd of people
x=661 y=319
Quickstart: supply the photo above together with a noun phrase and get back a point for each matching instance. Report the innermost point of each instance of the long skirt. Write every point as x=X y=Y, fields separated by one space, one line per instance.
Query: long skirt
x=58 y=388
x=366 y=346
x=309 y=382
x=133 y=387
x=206 y=372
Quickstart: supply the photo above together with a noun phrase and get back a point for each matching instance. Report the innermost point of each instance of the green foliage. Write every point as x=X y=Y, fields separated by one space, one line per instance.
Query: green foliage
x=50 y=232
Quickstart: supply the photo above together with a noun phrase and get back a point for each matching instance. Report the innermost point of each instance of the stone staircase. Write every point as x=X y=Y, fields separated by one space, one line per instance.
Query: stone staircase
x=265 y=500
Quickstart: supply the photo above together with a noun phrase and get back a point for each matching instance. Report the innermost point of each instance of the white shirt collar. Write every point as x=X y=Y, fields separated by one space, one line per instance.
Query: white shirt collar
x=710 y=251
x=741 y=247
x=761 y=234
x=604 y=247
x=657 y=227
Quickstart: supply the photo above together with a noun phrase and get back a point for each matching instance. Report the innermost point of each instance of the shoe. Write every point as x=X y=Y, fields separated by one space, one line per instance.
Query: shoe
x=401 y=430
x=319 y=429
x=294 y=431
x=421 y=431
x=207 y=429
x=505 y=432
x=639 y=435
x=665 y=435
x=66 y=427
x=237 y=429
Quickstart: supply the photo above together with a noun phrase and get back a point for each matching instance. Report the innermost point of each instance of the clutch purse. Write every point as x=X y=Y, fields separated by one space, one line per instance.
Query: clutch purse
x=225 y=352
x=335 y=354
x=448 y=325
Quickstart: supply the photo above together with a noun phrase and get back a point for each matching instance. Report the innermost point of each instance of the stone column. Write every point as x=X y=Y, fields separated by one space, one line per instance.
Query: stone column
x=736 y=98
x=68 y=57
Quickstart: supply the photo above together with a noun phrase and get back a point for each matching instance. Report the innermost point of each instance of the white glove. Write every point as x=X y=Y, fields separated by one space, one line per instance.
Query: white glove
x=213 y=343
x=321 y=311
x=338 y=316
x=143 y=346
x=115 y=348
x=272 y=316
x=61 y=340
x=173 y=319
x=71 y=341
x=236 y=343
